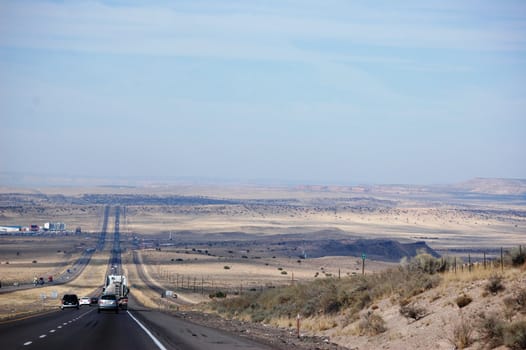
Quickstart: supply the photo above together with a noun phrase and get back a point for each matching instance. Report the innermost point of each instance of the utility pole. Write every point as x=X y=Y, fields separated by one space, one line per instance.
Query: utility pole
x=363 y=263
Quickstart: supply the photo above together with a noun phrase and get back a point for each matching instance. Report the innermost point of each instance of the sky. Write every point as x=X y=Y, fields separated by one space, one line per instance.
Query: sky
x=325 y=92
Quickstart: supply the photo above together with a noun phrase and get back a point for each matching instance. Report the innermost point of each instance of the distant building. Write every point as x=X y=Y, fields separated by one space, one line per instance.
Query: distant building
x=10 y=228
x=55 y=226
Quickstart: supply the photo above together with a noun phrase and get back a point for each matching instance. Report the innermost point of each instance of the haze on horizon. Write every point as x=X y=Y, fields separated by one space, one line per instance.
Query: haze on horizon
x=316 y=91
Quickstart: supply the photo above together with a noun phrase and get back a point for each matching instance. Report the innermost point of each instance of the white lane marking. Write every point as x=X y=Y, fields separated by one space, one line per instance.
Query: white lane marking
x=53 y=330
x=157 y=342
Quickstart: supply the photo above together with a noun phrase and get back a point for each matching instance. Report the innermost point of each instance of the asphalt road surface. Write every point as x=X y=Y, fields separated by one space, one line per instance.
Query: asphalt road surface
x=133 y=329
x=136 y=328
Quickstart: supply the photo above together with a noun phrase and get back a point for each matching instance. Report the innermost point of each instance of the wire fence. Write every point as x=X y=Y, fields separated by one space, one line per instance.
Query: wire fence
x=497 y=261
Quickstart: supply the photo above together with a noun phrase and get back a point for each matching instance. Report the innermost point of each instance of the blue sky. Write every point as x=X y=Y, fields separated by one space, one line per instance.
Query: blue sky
x=296 y=91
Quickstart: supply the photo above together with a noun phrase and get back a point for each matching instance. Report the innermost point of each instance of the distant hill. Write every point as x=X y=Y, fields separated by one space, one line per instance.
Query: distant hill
x=379 y=249
x=493 y=186
x=479 y=185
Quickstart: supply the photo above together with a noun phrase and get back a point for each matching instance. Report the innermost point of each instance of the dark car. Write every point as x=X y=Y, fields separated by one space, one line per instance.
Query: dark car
x=123 y=303
x=69 y=301
x=108 y=302
x=94 y=301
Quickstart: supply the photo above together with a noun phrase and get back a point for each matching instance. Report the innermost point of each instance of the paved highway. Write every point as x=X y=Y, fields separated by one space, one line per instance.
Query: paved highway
x=137 y=328
x=78 y=266
x=134 y=329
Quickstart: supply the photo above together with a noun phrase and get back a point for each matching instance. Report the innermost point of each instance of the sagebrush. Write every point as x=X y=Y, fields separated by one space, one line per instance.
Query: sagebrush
x=329 y=295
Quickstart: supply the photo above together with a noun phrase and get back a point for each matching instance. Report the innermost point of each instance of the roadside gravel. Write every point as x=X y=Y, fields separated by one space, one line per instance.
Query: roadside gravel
x=278 y=338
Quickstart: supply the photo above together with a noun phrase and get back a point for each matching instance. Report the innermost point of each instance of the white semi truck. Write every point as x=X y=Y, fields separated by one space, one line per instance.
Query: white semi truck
x=118 y=285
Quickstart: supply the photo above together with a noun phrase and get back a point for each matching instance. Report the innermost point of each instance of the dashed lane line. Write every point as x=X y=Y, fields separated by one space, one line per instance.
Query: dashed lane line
x=27 y=343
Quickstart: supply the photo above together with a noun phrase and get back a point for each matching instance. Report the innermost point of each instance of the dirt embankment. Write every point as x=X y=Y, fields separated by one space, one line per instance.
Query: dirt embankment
x=280 y=338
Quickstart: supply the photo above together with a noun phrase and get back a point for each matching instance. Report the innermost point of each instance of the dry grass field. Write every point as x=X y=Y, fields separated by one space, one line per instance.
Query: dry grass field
x=445 y=220
x=443 y=228
x=200 y=240
x=30 y=301
x=190 y=273
x=449 y=223
x=23 y=258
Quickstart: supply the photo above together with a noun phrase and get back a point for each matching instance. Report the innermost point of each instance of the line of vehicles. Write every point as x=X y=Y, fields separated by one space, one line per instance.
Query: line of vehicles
x=114 y=296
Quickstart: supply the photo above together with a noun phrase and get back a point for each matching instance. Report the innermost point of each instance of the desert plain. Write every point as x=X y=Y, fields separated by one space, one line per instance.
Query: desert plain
x=200 y=239
x=260 y=228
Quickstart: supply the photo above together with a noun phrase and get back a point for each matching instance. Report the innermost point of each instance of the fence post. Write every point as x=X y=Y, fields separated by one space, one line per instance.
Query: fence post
x=469 y=262
x=484 y=260
x=298 y=325
x=501 y=260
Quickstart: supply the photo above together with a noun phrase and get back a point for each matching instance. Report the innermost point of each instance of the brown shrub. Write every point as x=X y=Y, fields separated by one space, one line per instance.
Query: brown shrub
x=494 y=284
x=413 y=311
x=520 y=299
x=371 y=324
x=462 y=334
x=515 y=335
x=491 y=330
x=463 y=300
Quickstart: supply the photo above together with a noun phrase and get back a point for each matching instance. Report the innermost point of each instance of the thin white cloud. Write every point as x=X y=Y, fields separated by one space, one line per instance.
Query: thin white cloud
x=95 y=27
